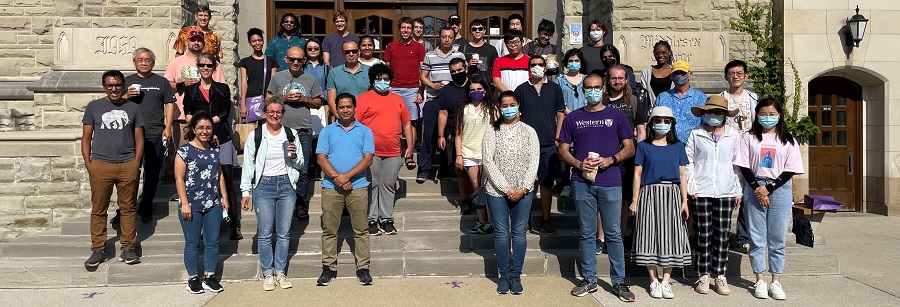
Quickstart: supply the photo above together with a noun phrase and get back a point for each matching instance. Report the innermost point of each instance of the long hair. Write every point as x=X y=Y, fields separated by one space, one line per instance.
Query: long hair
x=626 y=88
x=499 y=120
x=781 y=131
x=321 y=56
x=488 y=105
x=671 y=137
x=614 y=50
x=296 y=31
x=189 y=134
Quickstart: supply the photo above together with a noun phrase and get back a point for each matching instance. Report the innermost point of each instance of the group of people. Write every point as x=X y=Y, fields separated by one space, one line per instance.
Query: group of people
x=509 y=119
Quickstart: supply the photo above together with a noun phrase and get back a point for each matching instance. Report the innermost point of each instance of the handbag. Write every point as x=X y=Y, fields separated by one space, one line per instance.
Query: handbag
x=479 y=198
x=240 y=135
x=255 y=104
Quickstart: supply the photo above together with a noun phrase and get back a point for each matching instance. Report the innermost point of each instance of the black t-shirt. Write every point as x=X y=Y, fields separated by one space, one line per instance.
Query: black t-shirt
x=636 y=112
x=592 y=56
x=460 y=42
x=255 y=71
x=449 y=99
x=155 y=93
x=540 y=111
x=659 y=85
x=486 y=56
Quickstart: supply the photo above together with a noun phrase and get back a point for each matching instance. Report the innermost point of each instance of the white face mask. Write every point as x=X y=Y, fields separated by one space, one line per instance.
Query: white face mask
x=596 y=35
x=537 y=72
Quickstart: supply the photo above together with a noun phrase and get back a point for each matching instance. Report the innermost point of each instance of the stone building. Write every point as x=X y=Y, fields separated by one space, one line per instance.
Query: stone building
x=52 y=53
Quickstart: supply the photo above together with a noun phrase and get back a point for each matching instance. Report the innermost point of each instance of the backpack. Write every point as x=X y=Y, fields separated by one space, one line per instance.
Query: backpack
x=803 y=231
x=257 y=138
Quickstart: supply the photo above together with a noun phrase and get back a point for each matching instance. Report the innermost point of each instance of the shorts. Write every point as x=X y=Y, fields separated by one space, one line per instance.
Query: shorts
x=548 y=166
x=409 y=98
x=227 y=154
x=471 y=162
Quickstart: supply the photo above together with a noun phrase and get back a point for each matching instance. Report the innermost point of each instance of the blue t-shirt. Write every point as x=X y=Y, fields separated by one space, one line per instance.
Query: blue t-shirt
x=344 y=149
x=278 y=47
x=342 y=80
x=661 y=163
x=202 y=176
x=681 y=108
x=601 y=132
x=318 y=72
x=572 y=93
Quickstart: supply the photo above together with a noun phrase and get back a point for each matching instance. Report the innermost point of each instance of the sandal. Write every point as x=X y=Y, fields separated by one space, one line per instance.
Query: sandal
x=410 y=164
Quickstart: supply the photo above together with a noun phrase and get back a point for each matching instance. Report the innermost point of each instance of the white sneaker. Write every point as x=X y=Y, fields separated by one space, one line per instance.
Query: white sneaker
x=566 y=192
x=283 y=281
x=269 y=283
x=655 y=291
x=666 y=288
x=762 y=289
x=776 y=291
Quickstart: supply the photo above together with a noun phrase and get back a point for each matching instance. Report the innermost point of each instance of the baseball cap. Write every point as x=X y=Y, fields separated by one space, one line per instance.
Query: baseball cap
x=196 y=33
x=681 y=65
x=454 y=18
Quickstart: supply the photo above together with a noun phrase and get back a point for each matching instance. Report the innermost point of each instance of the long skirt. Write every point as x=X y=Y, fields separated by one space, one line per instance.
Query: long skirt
x=661 y=237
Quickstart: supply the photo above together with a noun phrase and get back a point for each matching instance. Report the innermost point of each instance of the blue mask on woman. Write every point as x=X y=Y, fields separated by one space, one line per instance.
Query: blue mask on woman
x=662 y=129
x=572 y=66
x=382 y=85
x=509 y=113
x=713 y=119
x=767 y=121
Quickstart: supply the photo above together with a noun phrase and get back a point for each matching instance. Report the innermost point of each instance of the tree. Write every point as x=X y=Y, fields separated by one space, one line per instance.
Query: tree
x=766 y=64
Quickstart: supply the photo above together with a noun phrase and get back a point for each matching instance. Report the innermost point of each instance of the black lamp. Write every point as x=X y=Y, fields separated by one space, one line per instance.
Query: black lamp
x=857 y=25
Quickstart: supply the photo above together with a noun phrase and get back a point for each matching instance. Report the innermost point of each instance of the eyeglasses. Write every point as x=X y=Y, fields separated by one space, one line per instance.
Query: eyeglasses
x=290 y=22
x=273 y=113
x=662 y=120
x=474 y=29
x=618 y=79
x=143 y=60
x=291 y=60
x=536 y=65
x=203 y=128
x=112 y=86
x=206 y=65
x=351 y=51
x=734 y=74
x=514 y=43
x=313 y=49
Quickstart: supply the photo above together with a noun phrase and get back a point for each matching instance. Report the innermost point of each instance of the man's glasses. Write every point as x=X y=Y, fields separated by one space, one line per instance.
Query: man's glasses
x=351 y=51
x=734 y=74
x=113 y=85
x=291 y=60
x=477 y=29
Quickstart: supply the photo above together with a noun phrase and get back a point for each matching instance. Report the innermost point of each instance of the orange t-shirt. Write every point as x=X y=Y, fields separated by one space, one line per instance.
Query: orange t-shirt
x=385 y=115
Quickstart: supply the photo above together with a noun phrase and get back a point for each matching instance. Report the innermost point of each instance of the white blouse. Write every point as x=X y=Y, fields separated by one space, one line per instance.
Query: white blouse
x=510 y=156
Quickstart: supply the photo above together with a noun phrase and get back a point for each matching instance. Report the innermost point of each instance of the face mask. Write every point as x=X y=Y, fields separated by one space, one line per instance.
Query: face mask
x=680 y=80
x=459 y=78
x=596 y=35
x=608 y=62
x=382 y=85
x=713 y=120
x=593 y=96
x=509 y=113
x=476 y=96
x=662 y=129
x=537 y=72
x=767 y=121
x=572 y=66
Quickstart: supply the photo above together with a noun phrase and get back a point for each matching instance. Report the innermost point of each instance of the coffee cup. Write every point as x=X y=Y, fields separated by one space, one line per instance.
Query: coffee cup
x=136 y=87
x=592 y=174
x=195 y=73
x=476 y=57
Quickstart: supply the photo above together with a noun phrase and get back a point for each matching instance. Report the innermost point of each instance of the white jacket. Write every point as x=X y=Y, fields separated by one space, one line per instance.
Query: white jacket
x=710 y=172
x=254 y=163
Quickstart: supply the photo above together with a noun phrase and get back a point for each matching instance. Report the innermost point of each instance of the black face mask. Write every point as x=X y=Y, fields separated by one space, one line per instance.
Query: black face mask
x=459 y=78
x=608 y=62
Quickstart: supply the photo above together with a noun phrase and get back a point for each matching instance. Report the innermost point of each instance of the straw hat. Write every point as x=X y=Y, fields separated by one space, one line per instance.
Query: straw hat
x=714 y=102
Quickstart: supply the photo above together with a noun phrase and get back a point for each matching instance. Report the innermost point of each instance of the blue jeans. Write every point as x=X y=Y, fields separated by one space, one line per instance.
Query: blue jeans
x=300 y=205
x=205 y=223
x=273 y=200
x=409 y=98
x=153 y=158
x=510 y=218
x=768 y=227
x=608 y=201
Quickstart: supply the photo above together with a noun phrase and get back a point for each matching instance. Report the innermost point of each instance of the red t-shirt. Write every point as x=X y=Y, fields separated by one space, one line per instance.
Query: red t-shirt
x=406 y=60
x=385 y=115
x=511 y=72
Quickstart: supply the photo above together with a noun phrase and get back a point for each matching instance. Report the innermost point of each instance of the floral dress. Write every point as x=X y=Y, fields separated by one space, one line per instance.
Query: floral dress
x=202 y=176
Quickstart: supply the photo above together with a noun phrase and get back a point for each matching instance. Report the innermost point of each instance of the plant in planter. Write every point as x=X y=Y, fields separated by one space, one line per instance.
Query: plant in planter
x=800 y=125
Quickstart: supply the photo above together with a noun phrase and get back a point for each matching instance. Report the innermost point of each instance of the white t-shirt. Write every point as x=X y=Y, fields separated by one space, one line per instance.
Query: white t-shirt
x=745 y=103
x=275 y=154
x=372 y=62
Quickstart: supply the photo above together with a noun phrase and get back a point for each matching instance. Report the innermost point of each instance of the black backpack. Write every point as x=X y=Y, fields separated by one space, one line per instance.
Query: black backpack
x=257 y=138
x=803 y=231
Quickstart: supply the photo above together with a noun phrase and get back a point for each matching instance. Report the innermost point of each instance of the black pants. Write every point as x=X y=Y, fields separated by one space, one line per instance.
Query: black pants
x=429 y=143
x=152 y=159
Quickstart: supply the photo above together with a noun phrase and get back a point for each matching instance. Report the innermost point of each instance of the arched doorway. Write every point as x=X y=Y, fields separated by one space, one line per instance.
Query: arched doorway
x=835 y=154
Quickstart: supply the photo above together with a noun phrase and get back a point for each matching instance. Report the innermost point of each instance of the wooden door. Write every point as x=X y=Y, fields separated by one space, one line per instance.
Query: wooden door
x=382 y=21
x=495 y=19
x=835 y=105
x=314 y=18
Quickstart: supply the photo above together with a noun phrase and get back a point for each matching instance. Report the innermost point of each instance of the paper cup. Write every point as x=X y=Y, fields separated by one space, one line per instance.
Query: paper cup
x=137 y=87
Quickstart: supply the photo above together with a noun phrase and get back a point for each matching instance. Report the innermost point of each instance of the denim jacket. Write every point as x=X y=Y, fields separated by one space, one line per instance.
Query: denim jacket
x=254 y=165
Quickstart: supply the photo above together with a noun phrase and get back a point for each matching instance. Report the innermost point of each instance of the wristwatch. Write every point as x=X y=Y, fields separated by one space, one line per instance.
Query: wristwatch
x=615 y=160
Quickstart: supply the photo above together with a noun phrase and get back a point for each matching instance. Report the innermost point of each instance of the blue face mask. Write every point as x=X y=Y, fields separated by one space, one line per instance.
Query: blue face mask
x=593 y=96
x=662 y=129
x=382 y=85
x=572 y=66
x=509 y=113
x=767 y=121
x=713 y=120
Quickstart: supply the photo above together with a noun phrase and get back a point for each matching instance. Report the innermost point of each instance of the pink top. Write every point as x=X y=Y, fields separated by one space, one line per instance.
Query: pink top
x=768 y=158
x=179 y=69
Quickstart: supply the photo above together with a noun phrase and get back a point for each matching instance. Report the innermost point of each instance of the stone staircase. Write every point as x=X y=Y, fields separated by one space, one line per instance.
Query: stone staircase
x=433 y=240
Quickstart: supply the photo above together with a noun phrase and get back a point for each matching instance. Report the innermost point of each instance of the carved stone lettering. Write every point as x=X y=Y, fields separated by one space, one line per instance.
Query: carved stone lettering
x=701 y=49
x=98 y=48
x=116 y=45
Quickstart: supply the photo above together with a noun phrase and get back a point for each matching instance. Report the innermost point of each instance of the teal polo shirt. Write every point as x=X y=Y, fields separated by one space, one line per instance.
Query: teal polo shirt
x=344 y=149
x=343 y=81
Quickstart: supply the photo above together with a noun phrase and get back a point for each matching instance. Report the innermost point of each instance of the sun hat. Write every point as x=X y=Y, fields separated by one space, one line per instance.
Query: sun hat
x=714 y=102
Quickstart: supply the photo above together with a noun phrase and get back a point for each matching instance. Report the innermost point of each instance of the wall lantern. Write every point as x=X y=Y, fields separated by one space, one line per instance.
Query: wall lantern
x=857 y=25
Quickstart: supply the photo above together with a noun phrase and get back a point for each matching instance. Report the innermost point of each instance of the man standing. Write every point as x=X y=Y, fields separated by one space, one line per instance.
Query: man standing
x=681 y=98
x=419 y=34
x=182 y=72
x=516 y=22
x=345 y=152
x=300 y=92
x=112 y=161
x=447 y=103
x=154 y=95
x=542 y=107
x=352 y=77
x=541 y=46
x=455 y=23
x=512 y=69
x=405 y=58
x=213 y=42
x=331 y=45
x=605 y=131
x=745 y=102
x=481 y=55
x=591 y=51
x=435 y=74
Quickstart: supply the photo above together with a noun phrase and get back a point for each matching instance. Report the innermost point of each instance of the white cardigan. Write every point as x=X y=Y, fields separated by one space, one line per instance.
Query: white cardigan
x=710 y=172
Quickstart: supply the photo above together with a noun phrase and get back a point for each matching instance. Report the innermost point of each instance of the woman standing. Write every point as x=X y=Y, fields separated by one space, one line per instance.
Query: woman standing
x=367 y=51
x=715 y=190
x=769 y=156
x=473 y=118
x=271 y=169
x=318 y=68
x=656 y=77
x=660 y=203
x=215 y=98
x=256 y=72
x=511 y=152
x=573 y=80
x=199 y=184
x=287 y=37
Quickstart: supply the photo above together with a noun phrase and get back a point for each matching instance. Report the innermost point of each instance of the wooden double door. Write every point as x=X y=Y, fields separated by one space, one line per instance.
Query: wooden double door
x=835 y=154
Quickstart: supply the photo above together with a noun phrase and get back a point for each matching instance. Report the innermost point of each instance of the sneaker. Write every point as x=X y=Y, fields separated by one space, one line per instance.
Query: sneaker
x=129 y=257
x=655 y=291
x=97 y=257
x=666 y=289
x=722 y=285
x=388 y=227
x=283 y=281
x=327 y=276
x=115 y=220
x=744 y=249
x=363 y=276
x=475 y=229
x=236 y=234
x=515 y=285
x=420 y=179
x=465 y=207
x=702 y=285
x=503 y=285
x=212 y=284
x=488 y=229
x=566 y=192
x=269 y=283
x=761 y=290
x=585 y=287
x=195 y=286
x=623 y=292
x=373 y=229
x=547 y=227
x=776 y=291
x=529 y=228
x=601 y=247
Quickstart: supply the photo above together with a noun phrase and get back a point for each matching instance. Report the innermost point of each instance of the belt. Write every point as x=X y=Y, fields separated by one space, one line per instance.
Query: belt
x=302 y=130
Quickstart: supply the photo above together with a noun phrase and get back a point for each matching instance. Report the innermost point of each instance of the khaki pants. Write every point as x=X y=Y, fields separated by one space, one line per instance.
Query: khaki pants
x=104 y=176
x=332 y=206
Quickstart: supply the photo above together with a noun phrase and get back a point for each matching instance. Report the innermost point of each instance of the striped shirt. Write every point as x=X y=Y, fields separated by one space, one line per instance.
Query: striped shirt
x=511 y=72
x=438 y=66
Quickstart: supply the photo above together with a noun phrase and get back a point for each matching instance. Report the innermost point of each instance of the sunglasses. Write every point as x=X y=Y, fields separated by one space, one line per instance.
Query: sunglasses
x=291 y=60
x=313 y=49
x=195 y=33
x=116 y=85
x=351 y=51
x=290 y=22
x=206 y=65
x=662 y=120
x=474 y=29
